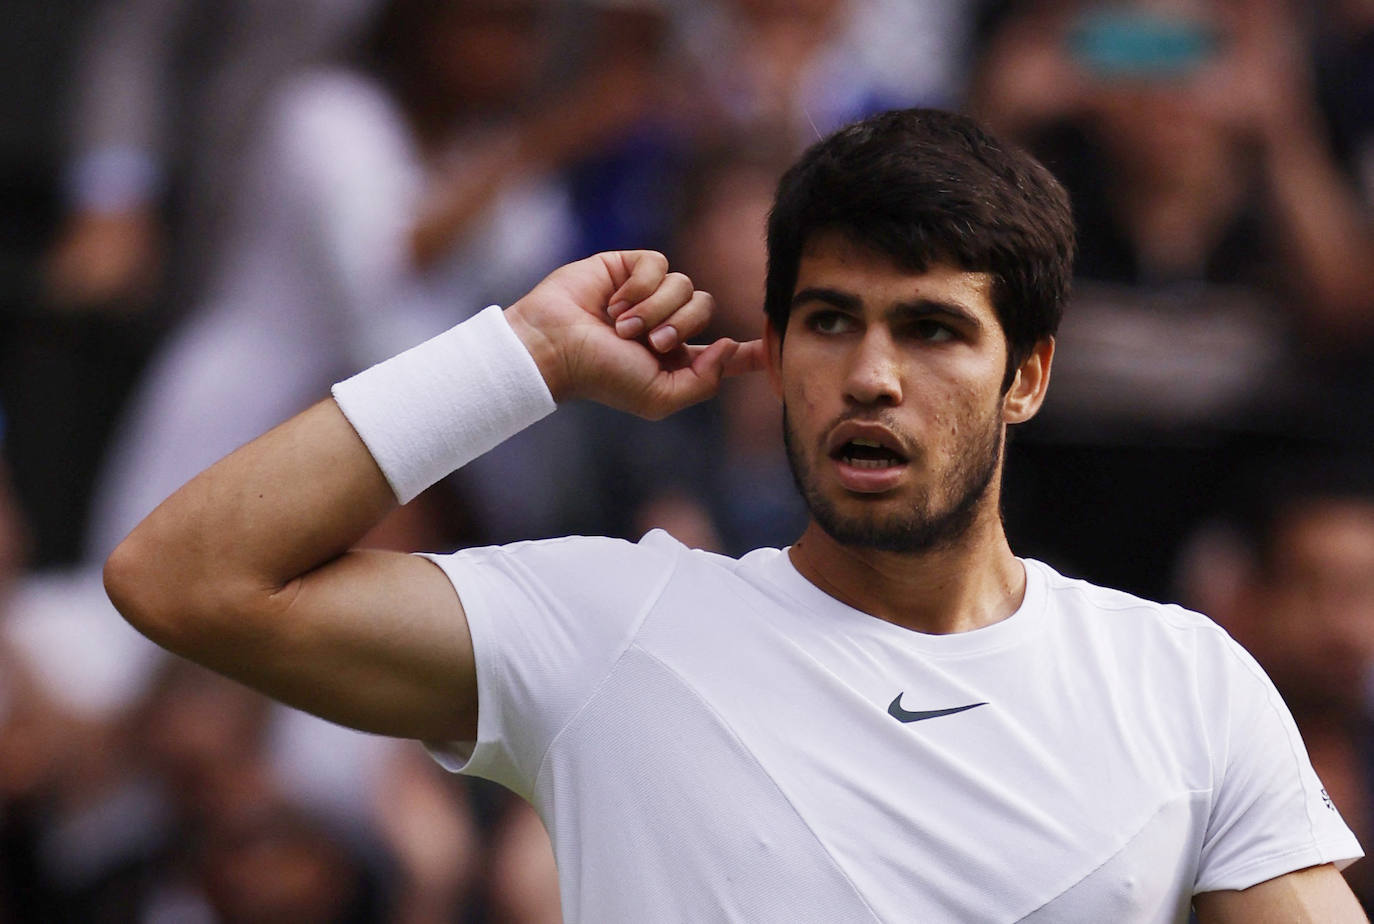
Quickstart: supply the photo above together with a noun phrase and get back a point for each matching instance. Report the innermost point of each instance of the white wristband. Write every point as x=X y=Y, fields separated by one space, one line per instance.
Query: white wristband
x=441 y=404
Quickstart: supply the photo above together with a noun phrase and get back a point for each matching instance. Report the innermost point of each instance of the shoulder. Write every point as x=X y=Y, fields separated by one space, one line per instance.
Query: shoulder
x=1123 y=620
x=1083 y=599
x=580 y=568
x=655 y=546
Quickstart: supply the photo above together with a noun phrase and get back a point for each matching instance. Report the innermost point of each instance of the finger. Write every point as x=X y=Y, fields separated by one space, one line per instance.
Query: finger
x=749 y=357
x=674 y=291
x=688 y=321
x=646 y=269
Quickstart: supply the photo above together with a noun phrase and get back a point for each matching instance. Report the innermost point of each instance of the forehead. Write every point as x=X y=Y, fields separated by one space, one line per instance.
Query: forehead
x=832 y=260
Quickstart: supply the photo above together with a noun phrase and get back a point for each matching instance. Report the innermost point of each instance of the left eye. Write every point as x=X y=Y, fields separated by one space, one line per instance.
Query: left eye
x=934 y=331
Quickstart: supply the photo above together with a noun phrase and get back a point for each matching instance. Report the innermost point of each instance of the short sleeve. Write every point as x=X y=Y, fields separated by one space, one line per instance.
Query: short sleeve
x=548 y=620
x=1270 y=814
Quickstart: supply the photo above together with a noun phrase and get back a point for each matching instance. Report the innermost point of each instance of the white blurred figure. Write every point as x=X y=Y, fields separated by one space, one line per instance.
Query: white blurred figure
x=167 y=95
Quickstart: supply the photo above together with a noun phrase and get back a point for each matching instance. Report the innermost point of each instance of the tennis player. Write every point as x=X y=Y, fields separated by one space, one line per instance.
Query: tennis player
x=895 y=719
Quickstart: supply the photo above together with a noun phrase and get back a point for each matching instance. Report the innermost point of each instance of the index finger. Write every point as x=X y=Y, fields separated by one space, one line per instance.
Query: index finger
x=647 y=268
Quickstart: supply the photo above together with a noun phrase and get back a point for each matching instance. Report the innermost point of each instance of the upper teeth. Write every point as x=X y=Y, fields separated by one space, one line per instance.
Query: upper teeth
x=867 y=442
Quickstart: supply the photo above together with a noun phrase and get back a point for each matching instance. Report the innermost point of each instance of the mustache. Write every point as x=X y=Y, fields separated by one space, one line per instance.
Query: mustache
x=880 y=416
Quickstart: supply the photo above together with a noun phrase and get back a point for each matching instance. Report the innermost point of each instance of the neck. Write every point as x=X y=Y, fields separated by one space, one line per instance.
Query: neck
x=970 y=583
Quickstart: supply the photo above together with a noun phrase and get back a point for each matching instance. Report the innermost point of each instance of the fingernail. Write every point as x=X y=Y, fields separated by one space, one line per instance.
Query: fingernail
x=629 y=327
x=663 y=338
x=616 y=309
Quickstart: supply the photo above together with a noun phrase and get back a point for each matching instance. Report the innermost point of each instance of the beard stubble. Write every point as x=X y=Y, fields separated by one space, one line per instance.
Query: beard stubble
x=921 y=527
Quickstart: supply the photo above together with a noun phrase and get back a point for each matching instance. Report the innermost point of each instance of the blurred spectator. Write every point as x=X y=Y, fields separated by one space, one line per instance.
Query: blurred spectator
x=1220 y=249
x=521 y=871
x=383 y=202
x=1346 y=75
x=682 y=516
x=721 y=246
x=747 y=72
x=793 y=70
x=167 y=95
x=13 y=533
x=1304 y=607
x=149 y=105
x=180 y=815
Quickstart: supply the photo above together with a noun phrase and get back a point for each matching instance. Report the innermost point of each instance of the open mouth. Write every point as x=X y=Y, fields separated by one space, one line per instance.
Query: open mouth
x=868 y=454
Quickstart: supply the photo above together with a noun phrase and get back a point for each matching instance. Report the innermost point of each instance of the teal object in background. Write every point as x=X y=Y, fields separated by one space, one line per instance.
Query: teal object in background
x=1127 y=42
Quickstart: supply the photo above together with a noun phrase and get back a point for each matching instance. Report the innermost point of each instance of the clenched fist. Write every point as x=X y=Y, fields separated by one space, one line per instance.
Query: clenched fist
x=614 y=328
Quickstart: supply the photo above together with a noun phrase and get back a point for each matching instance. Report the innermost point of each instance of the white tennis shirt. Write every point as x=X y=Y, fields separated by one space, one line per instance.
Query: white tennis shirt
x=711 y=739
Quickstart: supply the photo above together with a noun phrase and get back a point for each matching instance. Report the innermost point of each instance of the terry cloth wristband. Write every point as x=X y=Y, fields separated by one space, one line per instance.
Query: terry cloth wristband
x=439 y=405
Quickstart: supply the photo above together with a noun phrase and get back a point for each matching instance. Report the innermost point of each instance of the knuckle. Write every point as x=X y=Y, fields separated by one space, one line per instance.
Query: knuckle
x=653 y=260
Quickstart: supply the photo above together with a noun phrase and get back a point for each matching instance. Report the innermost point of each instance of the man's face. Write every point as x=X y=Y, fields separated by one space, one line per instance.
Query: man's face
x=1317 y=602
x=891 y=388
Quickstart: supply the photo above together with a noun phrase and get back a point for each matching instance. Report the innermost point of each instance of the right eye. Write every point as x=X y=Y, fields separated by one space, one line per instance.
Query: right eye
x=830 y=322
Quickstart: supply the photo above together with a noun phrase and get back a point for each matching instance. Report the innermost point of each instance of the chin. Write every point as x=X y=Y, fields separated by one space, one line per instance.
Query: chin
x=910 y=532
x=907 y=519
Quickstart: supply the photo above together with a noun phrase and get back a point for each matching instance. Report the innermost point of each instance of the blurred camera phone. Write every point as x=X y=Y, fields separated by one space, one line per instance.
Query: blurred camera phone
x=1125 y=41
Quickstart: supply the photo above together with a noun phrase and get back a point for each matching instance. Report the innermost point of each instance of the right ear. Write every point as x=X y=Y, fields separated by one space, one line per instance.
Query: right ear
x=772 y=342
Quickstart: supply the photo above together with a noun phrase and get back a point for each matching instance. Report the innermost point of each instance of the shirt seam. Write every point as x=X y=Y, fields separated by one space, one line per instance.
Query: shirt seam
x=1116 y=853
x=730 y=729
x=630 y=637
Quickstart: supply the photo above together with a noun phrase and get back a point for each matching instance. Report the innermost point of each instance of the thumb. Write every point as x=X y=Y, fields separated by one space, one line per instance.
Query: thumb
x=695 y=382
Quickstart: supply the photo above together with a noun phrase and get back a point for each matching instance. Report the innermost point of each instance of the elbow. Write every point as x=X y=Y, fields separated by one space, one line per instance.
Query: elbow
x=166 y=586
x=133 y=584
x=162 y=592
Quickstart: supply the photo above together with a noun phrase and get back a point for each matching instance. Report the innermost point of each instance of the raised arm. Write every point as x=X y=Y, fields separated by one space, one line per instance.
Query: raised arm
x=248 y=569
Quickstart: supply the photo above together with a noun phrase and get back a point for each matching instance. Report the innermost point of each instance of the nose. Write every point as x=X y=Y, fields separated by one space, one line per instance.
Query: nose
x=874 y=372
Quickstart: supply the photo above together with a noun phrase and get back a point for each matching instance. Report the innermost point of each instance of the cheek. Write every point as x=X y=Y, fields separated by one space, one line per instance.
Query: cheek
x=959 y=413
x=948 y=405
x=803 y=394
x=803 y=409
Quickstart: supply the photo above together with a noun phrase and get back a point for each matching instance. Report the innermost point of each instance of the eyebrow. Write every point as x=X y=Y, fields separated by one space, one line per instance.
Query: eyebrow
x=920 y=308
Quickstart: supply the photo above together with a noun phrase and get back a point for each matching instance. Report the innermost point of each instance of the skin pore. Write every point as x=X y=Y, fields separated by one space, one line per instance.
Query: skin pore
x=895 y=423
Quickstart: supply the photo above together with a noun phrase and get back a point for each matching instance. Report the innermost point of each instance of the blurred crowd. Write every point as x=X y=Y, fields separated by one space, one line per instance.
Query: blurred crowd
x=216 y=208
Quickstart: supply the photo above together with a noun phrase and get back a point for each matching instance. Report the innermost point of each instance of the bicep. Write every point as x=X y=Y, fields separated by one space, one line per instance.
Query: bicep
x=377 y=641
x=1318 y=895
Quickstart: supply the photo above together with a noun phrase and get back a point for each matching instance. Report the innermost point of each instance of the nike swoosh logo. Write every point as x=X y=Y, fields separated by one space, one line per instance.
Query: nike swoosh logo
x=902 y=715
